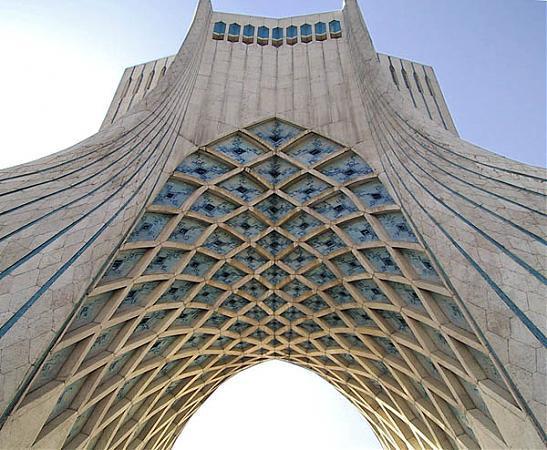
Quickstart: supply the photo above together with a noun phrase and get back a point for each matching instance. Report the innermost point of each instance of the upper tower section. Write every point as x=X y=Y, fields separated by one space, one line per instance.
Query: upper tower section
x=303 y=68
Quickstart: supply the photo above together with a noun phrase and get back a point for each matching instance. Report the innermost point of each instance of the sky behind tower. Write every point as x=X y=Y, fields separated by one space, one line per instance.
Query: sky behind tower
x=62 y=60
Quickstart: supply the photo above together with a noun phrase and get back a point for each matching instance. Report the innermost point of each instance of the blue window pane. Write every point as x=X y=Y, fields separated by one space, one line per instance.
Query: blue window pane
x=292 y=32
x=234 y=30
x=320 y=28
x=220 y=28
x=306 y=30
x=263 y=32
x=277 y=33
x=335 y=26
x=249 y=31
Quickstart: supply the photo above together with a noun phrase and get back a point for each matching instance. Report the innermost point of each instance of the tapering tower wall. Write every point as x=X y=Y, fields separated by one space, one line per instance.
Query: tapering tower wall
x=476 y=216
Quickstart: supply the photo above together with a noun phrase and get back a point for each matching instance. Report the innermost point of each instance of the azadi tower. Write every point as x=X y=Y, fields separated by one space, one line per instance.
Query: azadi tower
x=276 y=190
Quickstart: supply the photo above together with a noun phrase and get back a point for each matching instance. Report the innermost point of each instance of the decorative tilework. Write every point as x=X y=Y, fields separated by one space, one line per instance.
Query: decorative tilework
x=346 y=168
x=239 y=148
x=203 y=167
x=360 y=231
x=149 y=227
x=275 y=132
x=397 y=227
x=312 y=149
x=188 y=231
x=306 y=188
x=213 y=206
x=382 y=261
x=301 y=225
x=166 y=261
x=335 y=207
x=372 y=194
x=243 y=187
x=174 y=193
x=274 y=208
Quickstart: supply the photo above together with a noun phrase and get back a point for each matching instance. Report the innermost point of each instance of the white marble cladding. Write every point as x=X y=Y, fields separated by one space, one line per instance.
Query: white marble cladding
x=480 y=216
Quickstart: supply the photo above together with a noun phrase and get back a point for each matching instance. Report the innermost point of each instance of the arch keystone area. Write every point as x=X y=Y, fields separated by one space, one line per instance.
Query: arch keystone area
x=302 y=198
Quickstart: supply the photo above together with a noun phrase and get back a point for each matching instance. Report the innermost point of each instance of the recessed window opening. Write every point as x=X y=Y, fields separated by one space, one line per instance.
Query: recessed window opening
x=248 y=34
x=150 y=79
x=138 y=85
x=277 y=37
x=263 y=35
x=320 y=31
x=219 y=30
x=335 y=29
x=292 y=35
x=233 y=32
x=306 y=33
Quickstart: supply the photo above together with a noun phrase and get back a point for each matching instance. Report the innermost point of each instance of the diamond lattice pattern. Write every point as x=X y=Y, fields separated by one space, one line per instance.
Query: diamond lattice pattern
x=273 y=242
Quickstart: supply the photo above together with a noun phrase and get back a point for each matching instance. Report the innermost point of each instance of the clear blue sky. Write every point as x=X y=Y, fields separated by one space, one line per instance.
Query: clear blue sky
x=488 y=54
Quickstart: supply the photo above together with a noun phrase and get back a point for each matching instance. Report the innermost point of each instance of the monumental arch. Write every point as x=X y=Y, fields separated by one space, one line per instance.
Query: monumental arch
x=276 y=190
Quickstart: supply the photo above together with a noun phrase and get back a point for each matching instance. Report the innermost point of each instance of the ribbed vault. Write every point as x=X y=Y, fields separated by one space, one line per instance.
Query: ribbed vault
x=273 y=242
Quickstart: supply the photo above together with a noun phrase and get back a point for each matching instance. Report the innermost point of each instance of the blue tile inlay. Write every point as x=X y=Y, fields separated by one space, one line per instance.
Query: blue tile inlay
x=188 y=231
x=174 y=194
x=315 y=303
x=166 y=261
x=372 y=194
x=275 y=208
x=370 y=291
x=243 y=187
x=360 y=231
x=275 y=132
x=348 y=265
x=251 y=258
x=360 y=318
x=212 y=205
x=178 y=292
x=89 y=310
x=396 y=321
x=199 y=265
x=421 y=265
x=346 y=168
x=228 y=275
x=239 y=149
x=222 y=242
x=382 y=261
x=298 y=259
x=189 y=317
x=320 y=275
x=335 y=207
x=340 y=295
x=235 y=303
x=247 y=225
x=312 y=149
x=397 y=227
x=275 y=170
x=149 y=227
x=274 y=243
x=306 y=188
x=275 y=275
x=407 y=294
x=295 y=289
x=208 y=295
x=301 y=225
x=138 y=296
x=274 y=302
x=123 y=264
x=326 y=243
x=254 y=288
x=203 y=167
x=452 y=311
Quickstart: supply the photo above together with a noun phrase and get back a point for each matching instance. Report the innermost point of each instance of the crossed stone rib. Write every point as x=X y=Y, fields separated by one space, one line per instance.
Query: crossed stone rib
x=273 y=242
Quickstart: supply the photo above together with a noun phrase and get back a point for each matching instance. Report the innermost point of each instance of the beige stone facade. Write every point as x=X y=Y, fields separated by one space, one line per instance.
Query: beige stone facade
x=276 y=190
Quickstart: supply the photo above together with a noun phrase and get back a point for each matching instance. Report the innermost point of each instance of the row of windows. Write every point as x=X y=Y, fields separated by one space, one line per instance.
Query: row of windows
x=278 y=35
